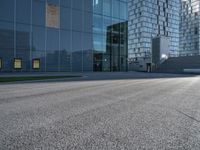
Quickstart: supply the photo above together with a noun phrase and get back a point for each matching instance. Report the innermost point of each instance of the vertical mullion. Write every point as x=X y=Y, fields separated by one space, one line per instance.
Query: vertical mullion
x=15 y=9
x=45 y=58
x=31 y=34
x=71 y=38
x=82 y=32
x=59 y=38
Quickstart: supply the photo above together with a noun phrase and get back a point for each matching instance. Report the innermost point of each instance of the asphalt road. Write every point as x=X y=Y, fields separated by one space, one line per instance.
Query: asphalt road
x=108 y=111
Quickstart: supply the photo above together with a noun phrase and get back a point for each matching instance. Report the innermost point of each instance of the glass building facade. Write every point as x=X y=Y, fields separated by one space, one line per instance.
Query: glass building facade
x=63 y=35
x=189 y=28
x=149 y=19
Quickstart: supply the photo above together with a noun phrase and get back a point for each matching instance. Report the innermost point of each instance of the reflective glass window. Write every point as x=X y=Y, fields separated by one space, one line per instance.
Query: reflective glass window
x=77 y=20
x=107 y=23
x=6 y=35
x=123 y=10
x=98 y=42
x=76 y=41
x=7 y=44
x=97 y=6
x=65 y=3
x=98 y=24
x=23 y=11
x=87 y=5
x=77 y=4
x=52 y=51
x=23 y=37
x=38 y=38
x=107 y=7
x=115 y=9
x=38 y=13
x=52 y=40
x=55 y=2
x=65 y=40
x=7 y=10
x=65 y=21
x=77 y=56
x=87 y=52
x=65 y=50
x=88 y=22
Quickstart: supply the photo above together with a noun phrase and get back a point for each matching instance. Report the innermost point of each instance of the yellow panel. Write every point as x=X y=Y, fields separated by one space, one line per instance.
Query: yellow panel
x=18 y=64
x=36 y=64
x=52 y=16
x=0 y=63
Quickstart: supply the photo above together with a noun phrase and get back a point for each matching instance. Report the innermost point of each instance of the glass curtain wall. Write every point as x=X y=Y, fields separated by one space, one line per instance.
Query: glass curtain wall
x=110 y=35
x=64 y=35
x=189 y=28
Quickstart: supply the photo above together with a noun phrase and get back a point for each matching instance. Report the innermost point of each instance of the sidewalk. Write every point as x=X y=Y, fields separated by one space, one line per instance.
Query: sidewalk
x=37 y=74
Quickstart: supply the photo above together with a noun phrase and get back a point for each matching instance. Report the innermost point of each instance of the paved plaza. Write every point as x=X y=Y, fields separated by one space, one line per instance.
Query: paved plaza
x=102 y=111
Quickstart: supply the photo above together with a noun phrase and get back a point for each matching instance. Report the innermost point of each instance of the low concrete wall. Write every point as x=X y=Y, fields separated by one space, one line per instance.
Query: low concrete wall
x=191 y=70
x=186 y=64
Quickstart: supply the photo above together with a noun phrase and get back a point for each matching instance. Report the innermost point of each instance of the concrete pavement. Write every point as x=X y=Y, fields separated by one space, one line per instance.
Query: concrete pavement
x=111 y=111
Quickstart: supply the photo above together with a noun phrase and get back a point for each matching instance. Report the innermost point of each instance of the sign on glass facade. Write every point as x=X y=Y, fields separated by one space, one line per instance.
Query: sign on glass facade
x=52 y=16
x=0 y=63
x=36 y=64
x=17 y=63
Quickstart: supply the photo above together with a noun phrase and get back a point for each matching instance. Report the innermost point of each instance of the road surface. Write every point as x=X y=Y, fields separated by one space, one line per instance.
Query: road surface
x=102 y=111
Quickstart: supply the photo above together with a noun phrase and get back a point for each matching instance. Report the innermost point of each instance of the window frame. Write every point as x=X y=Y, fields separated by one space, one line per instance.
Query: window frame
x=36 y=59
x=14 y=66
x=1 y=63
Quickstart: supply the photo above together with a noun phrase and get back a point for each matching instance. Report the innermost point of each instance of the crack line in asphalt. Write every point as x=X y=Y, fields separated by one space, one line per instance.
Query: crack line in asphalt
x=188 y=116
